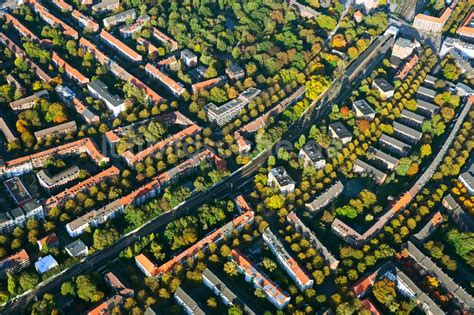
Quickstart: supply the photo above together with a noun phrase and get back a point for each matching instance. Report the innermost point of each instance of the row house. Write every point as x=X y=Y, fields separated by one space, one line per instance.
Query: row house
x=228 y=297
x=410 y=64
x=362 y=167
x=119 y=18
x=27 y=163
x=388 y=161
x=7 y=131
x=300 y=227
x=215 y=237
x=426 y=108
x=208 y=84
x=289 y=264
x=119 y=46
x=425 y=94
x=62 y=5
x=85 y=22
x=132 y=159
x=14 y=263
x=29 y=101
x=174 y=87
x=279 y=178
x=467 y=179
x=326 y=197
x=411 y=118
x=49 y=181
x=393 y=145
x=105 y=6
x=21 y=53
x=187 y=302
x=407 y=133
x=23 y=30
x=114 y=103
x=70 y=99
x=53 y=21
x=60 y=198
x=165 y=39
x=273 y=293
x=462 y=298
x=428 y=23
x=128 y=30
x=230 y=110
x=54 y=131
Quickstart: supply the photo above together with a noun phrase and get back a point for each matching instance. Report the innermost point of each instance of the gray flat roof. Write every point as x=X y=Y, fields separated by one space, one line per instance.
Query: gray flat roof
x=383 y=84
x=313 y=151
x=340 y=130
x=100 y=88
x=188 y=301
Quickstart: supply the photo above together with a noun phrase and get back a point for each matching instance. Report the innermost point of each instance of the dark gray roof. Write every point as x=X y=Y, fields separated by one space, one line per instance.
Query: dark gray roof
x=468 y=177
x=76 y=247
x=410 y=132
x=340 y=130
x=282 y=176
x=382 y=84
x=100 y=88
x=313 y=151
x=235 y=68
x=326 y=197
x=426 y=106
x=412 y=116
x=188 y=301
x=384 y=157
x=464 y=220
x=402 y=146
x=363 y=107
x=122 y=16
x=370 y=170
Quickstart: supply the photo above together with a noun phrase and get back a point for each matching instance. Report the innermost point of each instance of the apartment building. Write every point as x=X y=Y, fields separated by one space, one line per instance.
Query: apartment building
x=7 y=131
x=21 y=29
x=425 y=94
x=119 y=17
x=428 y=229
x=426 y=108
x=12 y=81
x=362 y=167
x=410 y=64
x=62 y=5
x=174 y=87
x=128 y=30
x=235 y=71
x=189 y=58
x=152 y=49
x=463 y=299
x=279 y=178
x=385 y=89
x=105 y=6
x=407 y=133
x=70 y=99
x=189 y=305
x=289 y=264
x=17 y=191
x=28 y=102
x=300 y=227
x=120 y=47
x=252 y=274
x=77 y=249
x=228 y=297
x=14 y=263
x=55 y=131
x=215 y=237
x=230 y=110
x=363 y=110
x=463 y=220
x=50 y=181
x=166 y=40
x=404 y=47
x=394 y=146
x=411 y=118
x=208 y=84
x=326 y=197
x=25 y=164
x=467 y=179
x=466 y=29
x=18 y=216
x=312 y=155
x=21 y=53
x=387 y=160
x=340 y=132
x=114 y=103
x=85 y=22
x=432 y=24
x=52 y=20
x=366 y=5
x=107 y=306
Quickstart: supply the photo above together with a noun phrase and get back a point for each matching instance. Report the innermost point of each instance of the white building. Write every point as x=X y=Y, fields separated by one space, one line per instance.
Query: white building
x=279 y=178
x=45 y=263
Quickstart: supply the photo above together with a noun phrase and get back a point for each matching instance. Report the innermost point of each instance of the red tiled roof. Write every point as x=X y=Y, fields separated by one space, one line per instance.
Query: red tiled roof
x=48 y=240
x=464 y=29
x=132 y=54
x=70 y=71
x=51 y=19
x=174 y=86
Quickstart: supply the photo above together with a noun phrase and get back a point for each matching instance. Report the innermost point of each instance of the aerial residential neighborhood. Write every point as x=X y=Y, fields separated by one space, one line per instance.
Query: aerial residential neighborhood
x=237 y=157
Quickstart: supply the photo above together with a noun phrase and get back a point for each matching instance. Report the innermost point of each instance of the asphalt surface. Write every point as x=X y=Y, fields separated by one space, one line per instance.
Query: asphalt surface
x=338 y=91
